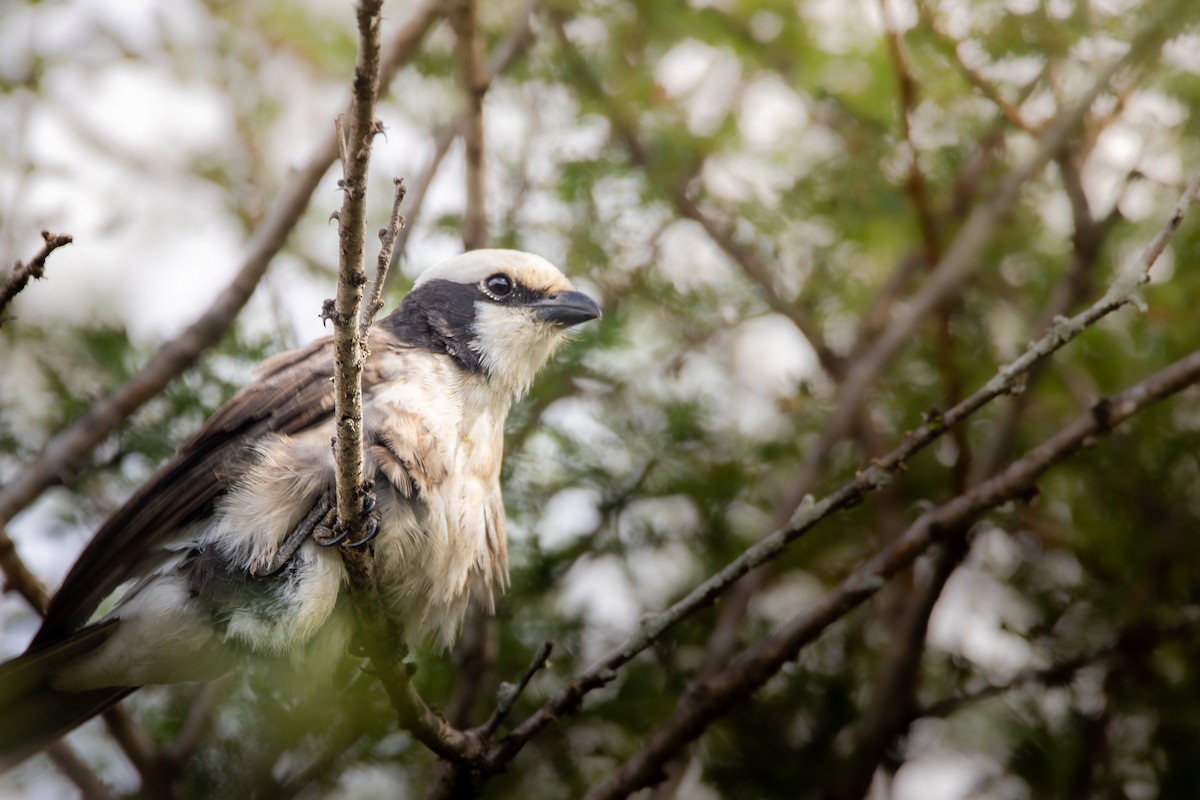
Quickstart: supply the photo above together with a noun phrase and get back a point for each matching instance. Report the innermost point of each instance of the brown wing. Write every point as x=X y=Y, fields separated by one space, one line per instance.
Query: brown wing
x=293 y=393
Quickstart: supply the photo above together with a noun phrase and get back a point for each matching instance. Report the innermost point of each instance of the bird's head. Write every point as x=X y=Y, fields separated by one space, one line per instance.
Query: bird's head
x=500 y=313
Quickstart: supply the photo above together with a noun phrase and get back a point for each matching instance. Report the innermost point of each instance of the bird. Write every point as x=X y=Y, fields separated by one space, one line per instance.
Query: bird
x=223 y=552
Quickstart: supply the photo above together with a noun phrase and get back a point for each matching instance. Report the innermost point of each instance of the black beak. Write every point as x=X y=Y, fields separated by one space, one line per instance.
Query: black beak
x=566 y=308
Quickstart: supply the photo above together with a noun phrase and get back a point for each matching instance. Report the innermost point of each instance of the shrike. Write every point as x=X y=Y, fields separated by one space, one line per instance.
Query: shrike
x=220 y=552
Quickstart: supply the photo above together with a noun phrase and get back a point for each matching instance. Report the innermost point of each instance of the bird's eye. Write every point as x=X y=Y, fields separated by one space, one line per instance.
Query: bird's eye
x=499 y=285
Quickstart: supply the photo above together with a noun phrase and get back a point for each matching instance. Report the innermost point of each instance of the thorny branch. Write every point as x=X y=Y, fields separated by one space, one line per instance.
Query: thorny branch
x=387 y=241
x=34 y=268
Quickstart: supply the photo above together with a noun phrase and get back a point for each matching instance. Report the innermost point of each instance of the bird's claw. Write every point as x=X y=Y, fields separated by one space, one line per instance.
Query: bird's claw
x=332 y=535
x=370 y=530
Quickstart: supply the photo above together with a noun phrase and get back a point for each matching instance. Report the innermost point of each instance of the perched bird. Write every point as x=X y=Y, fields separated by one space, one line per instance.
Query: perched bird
x=221 y=551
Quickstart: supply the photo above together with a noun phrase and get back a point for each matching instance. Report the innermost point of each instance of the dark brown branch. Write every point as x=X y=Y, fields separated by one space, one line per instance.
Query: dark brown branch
x=72 y=766
x=715 y=697
x=676 y=188
x=513 y=45
x=465 y=21
x=33 y=269
x=1061 y=671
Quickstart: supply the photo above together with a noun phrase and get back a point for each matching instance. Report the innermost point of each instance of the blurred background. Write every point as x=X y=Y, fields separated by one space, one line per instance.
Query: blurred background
x=755 y=190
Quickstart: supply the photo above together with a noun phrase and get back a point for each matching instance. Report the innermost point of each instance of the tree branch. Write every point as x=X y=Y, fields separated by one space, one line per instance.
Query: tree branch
x=714 y=698
x=381 y=639
x=34 y=269
x=464 y=19
x=360 y=128
x=751 y=264
x=387 y=241
x=510 y=48
x=79 y=773
x=1060 y=671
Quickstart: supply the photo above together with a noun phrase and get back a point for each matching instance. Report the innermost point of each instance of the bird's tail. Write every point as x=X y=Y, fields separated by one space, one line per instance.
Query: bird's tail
x=32 y=713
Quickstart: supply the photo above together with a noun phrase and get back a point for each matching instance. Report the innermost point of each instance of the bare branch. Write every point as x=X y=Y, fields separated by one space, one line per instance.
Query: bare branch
x=71 y=765
x=198 y=722
x=1011 y=111
x=1060 y=671
x=35 y=268
x=510 y=693
x=464 y=19
x=359 y=128
x=18 y=578
x=714 y=697
x=382 y=640
x=387 y=240
x=510 y=48
x=751 y=264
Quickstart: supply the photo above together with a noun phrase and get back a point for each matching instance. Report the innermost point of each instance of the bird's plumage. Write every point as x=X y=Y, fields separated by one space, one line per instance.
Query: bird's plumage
x=202 y=544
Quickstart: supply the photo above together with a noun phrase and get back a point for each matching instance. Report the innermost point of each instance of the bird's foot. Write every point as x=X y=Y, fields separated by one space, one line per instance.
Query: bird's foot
x=317 y=517
x=331 y=533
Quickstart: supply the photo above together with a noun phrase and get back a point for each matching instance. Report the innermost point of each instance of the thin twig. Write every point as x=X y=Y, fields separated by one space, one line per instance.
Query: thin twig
x=34 y=269
x=509 y=693
x=387 y=240
x=1011 y=111
x=1059 y=671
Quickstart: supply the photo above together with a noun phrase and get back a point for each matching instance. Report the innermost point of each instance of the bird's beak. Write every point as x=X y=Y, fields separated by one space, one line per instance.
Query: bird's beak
x=566 y=308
